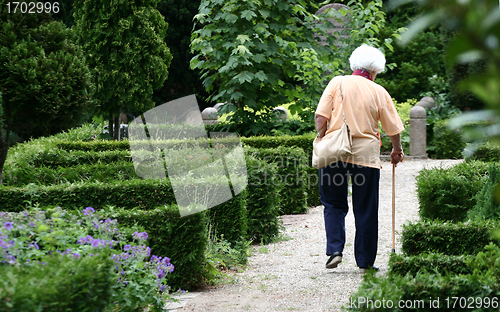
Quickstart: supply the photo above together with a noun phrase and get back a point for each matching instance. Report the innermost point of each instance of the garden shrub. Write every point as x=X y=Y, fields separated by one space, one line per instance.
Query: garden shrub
x=265 y=142
x=421 y=293
x=311 y=178
x=291 y=163
x=61 y=158
x=487 y=152
x=34 y=237
x=183 y=239
x=121 y=170
x=448 y=193
x=63 y=283
x=446 y=238
x=144 y=194
x=487 y=205
x=448 y=144
x=403 y=109
x=230 y=219
x=262 y=202
x=428 y=263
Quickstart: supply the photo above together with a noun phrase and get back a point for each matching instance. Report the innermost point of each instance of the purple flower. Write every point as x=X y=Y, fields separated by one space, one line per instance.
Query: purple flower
x=85 y=240
x=34 y=244
x=32 y=224
x=162 y=288
x=8 y=225
x=127 y=247
x=25 y=213
x=88 y=211
x=76 y=255
x=142 y=235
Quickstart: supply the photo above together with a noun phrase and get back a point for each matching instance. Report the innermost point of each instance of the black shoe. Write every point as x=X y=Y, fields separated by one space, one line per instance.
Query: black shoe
x=364 y=270
x=334 y=260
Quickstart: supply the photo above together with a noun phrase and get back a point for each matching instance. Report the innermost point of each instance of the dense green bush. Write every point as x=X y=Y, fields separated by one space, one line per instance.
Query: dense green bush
x=183 y=239
x=100 y=172
x=446 y=238
x=428 y=263
x=262 y=203
x=448 y=193
x=291 y=163
x=487 y=152
x=448 y=144
x=62 y=284
x=421 y=293
x=487 y=205
x=311 y=178
x=145 y=194
x=230 y=219
x=61 y=158
x=417 y=60
x=302 y=141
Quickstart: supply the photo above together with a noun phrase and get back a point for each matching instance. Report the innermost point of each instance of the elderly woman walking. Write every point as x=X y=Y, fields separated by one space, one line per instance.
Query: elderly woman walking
x=364 y=103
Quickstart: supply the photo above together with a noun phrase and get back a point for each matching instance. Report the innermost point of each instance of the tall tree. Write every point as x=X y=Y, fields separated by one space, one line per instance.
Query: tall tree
x=124 y=40
x=44 y=80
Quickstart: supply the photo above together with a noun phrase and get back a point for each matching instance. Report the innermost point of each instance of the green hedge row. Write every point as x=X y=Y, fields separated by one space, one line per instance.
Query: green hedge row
x=425 y=292
x=123 y=170
x=144 y=194
x=447 y=143
x=428 y=263
x=487 y=152
x=182 y=239
x=448 y=193
x=62 y=158
x=62 y=284
x=291 y=163
x=264 y=223
x=447 y=238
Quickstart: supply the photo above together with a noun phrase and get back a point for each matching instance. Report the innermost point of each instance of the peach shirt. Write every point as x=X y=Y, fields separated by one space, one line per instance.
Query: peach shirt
x=365 y=104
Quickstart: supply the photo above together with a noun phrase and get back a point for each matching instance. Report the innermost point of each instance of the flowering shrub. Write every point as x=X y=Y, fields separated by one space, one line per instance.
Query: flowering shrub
x=33 y=237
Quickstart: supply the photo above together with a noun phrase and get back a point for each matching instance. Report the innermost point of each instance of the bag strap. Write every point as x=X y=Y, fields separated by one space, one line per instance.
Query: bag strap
x=342 y=100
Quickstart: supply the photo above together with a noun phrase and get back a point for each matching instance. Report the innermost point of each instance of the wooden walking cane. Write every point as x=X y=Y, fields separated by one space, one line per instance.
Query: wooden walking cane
x=393 y=206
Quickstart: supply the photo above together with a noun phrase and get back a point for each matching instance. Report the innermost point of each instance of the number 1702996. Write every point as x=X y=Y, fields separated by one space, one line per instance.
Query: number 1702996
x=32 y=7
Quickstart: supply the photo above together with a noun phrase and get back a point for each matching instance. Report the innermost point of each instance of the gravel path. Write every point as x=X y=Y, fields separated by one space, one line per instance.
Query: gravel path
x=290 y=275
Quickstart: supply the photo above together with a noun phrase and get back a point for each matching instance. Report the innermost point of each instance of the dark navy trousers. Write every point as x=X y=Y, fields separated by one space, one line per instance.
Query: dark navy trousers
x=333 y=189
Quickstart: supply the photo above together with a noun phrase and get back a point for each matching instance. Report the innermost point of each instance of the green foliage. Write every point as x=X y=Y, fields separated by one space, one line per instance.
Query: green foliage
x=44 y=78
x=487 y=205
x=245 y=48
x=446 y=143
x=102 y=172
x=421 y=292
x=144 y=194
x=231 y=219
x=114 y=34
x=403 y=110
x=419 y=59
x=446 y=238
x=460 y=98
x=486 y=264
x=311 y=178
x=62 y=284
x=183 y=239
x=487 y=152
x=262 y=203
x=429 y=263
x=448 y=193
x=291 y=164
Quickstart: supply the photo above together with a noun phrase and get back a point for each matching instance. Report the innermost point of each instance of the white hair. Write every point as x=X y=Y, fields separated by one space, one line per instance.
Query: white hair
x=368 y=58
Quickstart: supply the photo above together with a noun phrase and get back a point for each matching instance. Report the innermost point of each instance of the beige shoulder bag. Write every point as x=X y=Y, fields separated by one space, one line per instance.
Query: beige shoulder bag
x=334 y=146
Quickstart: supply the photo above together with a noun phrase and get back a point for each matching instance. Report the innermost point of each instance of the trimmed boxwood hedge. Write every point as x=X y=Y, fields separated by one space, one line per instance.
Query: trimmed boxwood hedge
x=145 y=194
x=291 y=163
x=431 y=263
x=448 y=144
x=110 y=173
x=262 y=202
x=448 y=193
x=487 y=152
x=182 y=239
x=447 y=238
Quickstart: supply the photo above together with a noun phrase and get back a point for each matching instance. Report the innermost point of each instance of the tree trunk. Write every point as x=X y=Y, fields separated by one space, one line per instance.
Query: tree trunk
x=4 y=147
x=116 y=135
x=110 y=125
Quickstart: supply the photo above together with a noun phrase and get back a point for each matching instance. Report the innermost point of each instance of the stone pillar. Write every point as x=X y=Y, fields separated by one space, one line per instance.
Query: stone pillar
x=418 y=133
x=210 y=116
